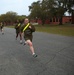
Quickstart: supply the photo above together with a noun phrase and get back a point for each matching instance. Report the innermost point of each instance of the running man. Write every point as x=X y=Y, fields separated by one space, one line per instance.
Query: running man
x=28 y=29
x=1 y=26
x=18 y=32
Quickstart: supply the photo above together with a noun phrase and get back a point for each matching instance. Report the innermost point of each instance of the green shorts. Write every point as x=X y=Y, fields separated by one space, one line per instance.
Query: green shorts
x=28 y=37
x=17 y=31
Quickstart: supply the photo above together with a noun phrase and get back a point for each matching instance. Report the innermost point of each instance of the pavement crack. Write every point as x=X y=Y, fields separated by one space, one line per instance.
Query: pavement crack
x=64 y=48
x=41 y=71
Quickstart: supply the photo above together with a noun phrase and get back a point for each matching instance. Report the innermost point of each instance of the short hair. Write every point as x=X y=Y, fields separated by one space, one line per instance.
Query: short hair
x=27 y=19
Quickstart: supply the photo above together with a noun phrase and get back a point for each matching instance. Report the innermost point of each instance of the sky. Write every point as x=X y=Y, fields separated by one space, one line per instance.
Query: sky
x=18 y=6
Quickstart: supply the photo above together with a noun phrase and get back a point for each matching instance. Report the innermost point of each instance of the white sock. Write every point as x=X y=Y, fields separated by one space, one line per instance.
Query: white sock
x=33 y=53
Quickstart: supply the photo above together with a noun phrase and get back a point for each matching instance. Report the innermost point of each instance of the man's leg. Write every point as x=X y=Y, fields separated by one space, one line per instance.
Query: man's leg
x=31 y=47
x=16 y=35
x=20 y=38
x=2 y=31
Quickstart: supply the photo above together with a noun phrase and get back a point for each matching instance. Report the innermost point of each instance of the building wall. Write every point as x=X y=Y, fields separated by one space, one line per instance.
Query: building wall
x=65 y=19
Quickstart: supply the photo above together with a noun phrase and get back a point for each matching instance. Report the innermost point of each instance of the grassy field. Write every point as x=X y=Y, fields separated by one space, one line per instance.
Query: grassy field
x=67 y=30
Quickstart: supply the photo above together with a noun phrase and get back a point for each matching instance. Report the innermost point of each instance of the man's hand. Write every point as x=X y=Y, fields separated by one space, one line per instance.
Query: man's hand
x=30 y=27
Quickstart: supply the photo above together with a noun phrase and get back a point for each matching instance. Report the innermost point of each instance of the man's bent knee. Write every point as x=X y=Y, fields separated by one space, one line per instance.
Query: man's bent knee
x=29 y=42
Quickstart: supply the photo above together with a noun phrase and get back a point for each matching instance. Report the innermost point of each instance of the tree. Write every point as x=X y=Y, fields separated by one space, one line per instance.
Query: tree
x=21 y=18
x=65 y=5
x=35 y=10
x=70 y=8
x=3 y=18
x=46 y=9
x=60 y=9
x=41 y=9
x=11 y=16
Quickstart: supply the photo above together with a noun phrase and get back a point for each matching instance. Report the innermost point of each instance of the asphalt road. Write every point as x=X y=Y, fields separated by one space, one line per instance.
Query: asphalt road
x=55 y=55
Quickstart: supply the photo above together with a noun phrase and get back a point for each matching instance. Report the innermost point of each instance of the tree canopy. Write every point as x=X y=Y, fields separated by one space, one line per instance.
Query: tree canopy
x=44 y=9
x=11 y=17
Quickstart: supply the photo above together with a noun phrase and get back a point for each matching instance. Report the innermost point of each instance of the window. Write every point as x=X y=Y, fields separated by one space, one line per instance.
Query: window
x=56 y=19
x=53 y=19
x=50 y=19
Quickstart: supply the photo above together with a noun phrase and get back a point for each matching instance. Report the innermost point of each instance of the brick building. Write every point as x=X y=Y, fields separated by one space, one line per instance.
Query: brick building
x=65 y=19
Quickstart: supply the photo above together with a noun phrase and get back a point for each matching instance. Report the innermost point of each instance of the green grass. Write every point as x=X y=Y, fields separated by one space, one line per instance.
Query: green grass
x=67 y=30
x=10 y=26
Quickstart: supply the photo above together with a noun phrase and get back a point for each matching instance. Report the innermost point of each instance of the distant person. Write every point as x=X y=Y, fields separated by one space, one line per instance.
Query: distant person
x=28 y=29
x=18 y=32
x=2 y=26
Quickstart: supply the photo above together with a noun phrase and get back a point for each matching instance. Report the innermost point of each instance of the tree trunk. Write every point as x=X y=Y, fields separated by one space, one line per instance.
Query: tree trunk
x=43 y=22
x=60 y=21
x=73 y=17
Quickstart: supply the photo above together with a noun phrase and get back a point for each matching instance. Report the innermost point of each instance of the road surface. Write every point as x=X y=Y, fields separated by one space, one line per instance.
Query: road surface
x=55 y=55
